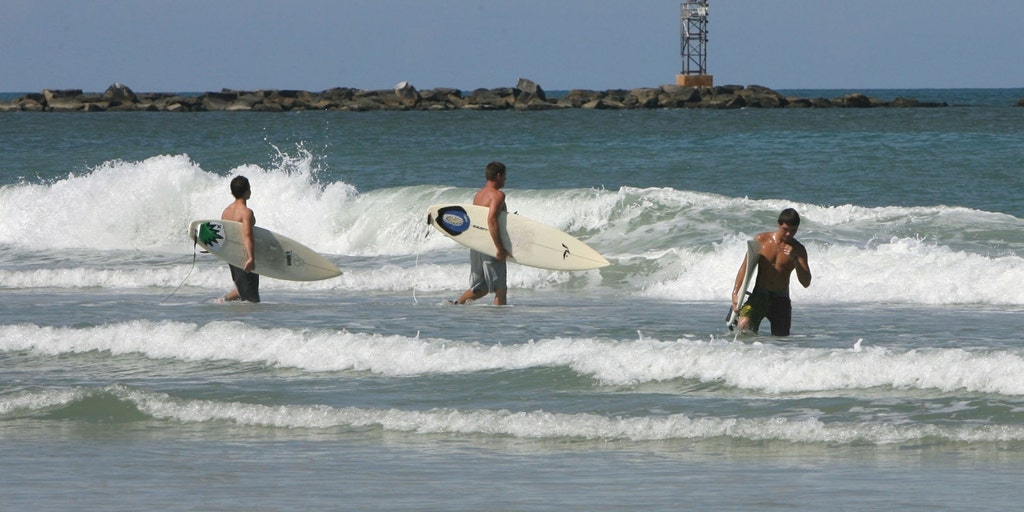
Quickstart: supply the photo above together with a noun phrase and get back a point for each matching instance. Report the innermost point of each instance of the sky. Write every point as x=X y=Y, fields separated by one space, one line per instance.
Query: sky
x=207 y=45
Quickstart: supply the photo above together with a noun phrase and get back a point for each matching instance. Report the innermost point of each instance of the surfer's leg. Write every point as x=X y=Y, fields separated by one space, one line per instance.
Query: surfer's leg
x=469 y=295
x=753 y=312
x=477 y=279
x=247 y=286
x=743 y=324
x=497 y=277
x=487 y=275
x=780 y=314
x=233 y=295
x=748 y=324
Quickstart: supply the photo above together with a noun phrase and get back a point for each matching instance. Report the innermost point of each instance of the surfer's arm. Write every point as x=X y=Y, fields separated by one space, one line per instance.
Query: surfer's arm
x=497 y=206
x=803 y=269
x=247 y=224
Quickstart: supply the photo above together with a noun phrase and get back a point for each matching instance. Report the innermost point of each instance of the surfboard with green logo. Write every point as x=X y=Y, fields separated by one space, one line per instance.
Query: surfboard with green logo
x=276 y=255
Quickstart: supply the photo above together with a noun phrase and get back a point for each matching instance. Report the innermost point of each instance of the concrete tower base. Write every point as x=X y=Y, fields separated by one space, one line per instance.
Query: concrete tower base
x=695 y=80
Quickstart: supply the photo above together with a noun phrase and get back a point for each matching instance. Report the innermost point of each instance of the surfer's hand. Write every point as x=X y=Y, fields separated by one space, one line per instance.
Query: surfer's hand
x=502 y=254
x=250 y=264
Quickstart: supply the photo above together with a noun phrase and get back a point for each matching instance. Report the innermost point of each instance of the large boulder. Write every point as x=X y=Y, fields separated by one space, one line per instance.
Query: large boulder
x=30 y=105
x=529 y=92
x=442 y=98
x=63 y=100
x=267 y=106
x=218 y=101
x=762 y=97
x=579 y=97
x=407 y=94
x=853 y=100
x=276 y=100
x=678 y=96
x=643 y=97
x=821 y=103
x=605 y=103
x=798 y=103
x=334 y=98
x=491 y=99
x=365 y=101
x=119 y=94
x=339 y=94
x=616 y=95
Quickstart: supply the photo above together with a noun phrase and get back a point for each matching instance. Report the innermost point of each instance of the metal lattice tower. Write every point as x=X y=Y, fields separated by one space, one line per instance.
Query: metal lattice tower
x=693 y=35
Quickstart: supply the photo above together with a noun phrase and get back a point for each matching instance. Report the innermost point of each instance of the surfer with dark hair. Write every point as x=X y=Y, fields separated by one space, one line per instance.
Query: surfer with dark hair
x=487 y=273
x=779 y=256
x=247 y=284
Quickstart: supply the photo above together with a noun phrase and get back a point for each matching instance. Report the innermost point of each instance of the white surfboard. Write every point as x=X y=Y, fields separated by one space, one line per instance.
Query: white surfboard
x=277 y=256
x=531 y=243
x=753 y=254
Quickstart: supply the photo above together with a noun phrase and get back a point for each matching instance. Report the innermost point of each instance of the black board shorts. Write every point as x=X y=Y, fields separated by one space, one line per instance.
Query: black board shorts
x=247 y=284
x=776 y=307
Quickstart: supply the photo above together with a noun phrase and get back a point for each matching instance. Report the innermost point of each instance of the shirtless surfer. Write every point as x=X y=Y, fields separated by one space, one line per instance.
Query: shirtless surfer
x=247 y=284
x=780 y=255
x=488 y=274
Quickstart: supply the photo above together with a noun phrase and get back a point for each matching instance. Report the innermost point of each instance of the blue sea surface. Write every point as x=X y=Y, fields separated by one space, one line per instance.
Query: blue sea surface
x=125 y=386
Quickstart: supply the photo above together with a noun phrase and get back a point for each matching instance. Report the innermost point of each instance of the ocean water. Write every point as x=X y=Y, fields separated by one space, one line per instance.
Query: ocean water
x=124 y=387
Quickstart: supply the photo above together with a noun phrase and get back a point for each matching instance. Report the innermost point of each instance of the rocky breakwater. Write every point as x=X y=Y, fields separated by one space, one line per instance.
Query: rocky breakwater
x=526 y=95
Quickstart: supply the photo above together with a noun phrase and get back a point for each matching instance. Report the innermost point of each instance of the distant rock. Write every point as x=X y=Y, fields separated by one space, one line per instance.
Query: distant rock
x=908 y=103
x=490 y=99
x=677 y=96
x=66 y=100
x=530 y=96
x=644 y=97
x=526 y=95
x=118 y=95
x=407 y=94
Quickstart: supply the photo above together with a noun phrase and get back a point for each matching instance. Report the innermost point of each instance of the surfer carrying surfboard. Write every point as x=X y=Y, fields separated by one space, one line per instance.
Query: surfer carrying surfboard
x=780 y=254
x=247 y=284
x=487 y=273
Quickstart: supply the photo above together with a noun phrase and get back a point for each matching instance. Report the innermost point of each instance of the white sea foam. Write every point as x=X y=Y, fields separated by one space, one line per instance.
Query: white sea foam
x=128 y=230
x=547 y=425
x=758 y=368
x=530 y=424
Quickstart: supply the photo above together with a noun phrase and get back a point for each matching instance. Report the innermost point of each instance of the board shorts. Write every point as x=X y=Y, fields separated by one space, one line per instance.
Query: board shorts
x=775 y=306
x=486 y=273
x=247 y=284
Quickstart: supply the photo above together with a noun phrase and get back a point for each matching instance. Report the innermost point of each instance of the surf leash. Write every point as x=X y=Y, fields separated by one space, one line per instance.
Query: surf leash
x=190 y=269
x=417 y=264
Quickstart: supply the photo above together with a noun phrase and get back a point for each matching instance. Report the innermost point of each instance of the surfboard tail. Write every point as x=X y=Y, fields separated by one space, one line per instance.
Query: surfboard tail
x=753 y=252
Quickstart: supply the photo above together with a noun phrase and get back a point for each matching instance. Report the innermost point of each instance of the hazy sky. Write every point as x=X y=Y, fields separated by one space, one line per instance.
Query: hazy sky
x=206 y=45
